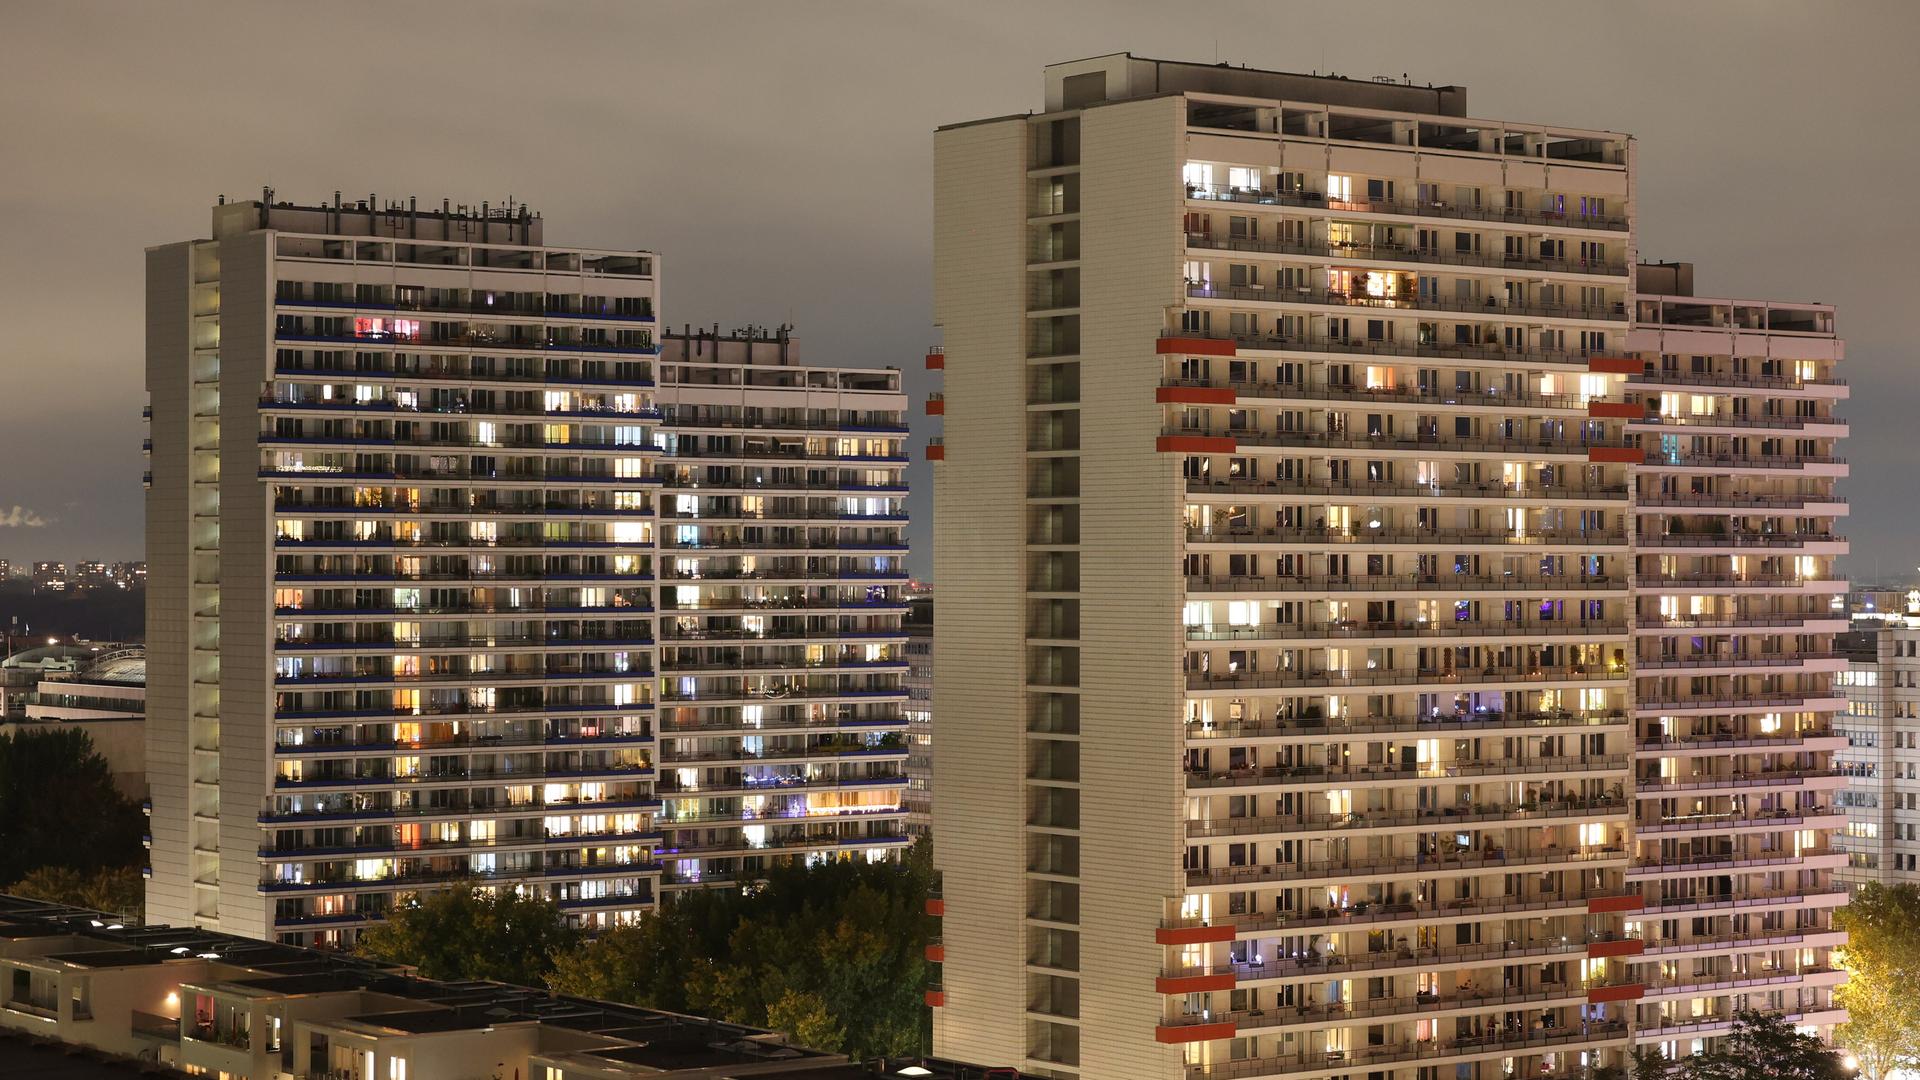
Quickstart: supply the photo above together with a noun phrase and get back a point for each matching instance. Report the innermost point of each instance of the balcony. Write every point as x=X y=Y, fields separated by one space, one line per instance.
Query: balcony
x=1486 y=1046
x=1655 y=788
x=1732 y=381
x=1771 y=462
x=1423 y=349
x=1733 y=538
x=1364 y=490
x=1491 y=308
x=1353 y=630
x=1425 y=442
x=1326 y=536
x=1441 y=584
x=1373 y=915
x=1425 y=256
x=1344 y=1012
x=1686 y=583
x=1742 y=501
x=1316 y=727
x=1704 y=662
x=1367 y=820
x=1490 y=397
x=1335 y=870
x=1360 y=775
x=1314 y=200
x=1208 y=682
x=1750 y=899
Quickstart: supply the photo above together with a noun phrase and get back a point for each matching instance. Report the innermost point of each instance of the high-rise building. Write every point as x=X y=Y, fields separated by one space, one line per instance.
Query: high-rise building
x=406 y=480
x=1383 y=629
x=919 y=685
x=401 y=525
x=49 y=577
x=782 y=562
x=128 y=575
x=1881 y=761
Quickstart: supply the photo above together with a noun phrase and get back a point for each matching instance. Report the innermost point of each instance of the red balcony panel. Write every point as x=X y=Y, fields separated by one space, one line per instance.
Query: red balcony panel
x=936 y=407
x=936 y=907
x=1191 y=1033
x=1192 y=935
x=1625 y=947
x=1195 y=395
x=936 y=998
x=1198 y=346
x=1196 y=444
x=1630 y=992
x=1617 y=365
x=936 y=453
x=936 y=954
x=1193 y=984
x=936 y=361
x=1624 y=409
x=1600 y=905
x=1632 y=455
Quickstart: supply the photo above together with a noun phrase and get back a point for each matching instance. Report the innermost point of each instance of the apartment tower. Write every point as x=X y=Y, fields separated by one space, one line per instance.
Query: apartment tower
x=783 y=575
x=400 y=527
x=402 y=622
x=1375 y=641
x=1881 y=761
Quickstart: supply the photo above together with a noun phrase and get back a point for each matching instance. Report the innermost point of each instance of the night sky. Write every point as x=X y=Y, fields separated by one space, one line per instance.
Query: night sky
x=779 y=157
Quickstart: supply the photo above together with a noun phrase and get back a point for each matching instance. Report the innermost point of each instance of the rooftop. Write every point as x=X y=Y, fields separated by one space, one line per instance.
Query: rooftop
x=1131 y=76
x=613 y=1039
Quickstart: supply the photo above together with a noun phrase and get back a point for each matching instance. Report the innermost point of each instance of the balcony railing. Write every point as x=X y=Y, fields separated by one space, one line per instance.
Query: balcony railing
x=1436 y=583
x=1653 y=788
x=1434 y=209
x=1356 y=534
x=1342 y=726
x=1373 y=489
x=1384 y=819
x=1428 y=349
x=1257 y=776
x=1396 y=253
x=1369 y=914
x=1423 y=441
x=1342 y=1061
x=1492 y=307
x=1490 y=673
x=1345 y=1011
x=1492 y=397
x=1709 y=378
x=1405 y=628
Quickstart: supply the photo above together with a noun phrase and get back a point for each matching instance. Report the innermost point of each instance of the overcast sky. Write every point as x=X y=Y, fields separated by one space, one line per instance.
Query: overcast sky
x=779 y=155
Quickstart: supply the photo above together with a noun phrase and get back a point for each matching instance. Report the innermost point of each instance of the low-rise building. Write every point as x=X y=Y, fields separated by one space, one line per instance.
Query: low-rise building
x=107 y=699
x=215 y=1004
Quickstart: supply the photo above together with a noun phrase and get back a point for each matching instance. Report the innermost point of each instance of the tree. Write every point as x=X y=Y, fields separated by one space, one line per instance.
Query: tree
x=58 y=805
x=1882 y=962
x=1648 y=1063
x=833 y=955
x=120 y=890
x=467 y=932
x=805 y=1017
x=1764 y=1046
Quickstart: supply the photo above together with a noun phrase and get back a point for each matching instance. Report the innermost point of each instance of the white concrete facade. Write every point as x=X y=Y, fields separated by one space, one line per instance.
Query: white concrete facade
x=1881 y=761
x=400 y=518
x=414 y=618
x=1326 y=529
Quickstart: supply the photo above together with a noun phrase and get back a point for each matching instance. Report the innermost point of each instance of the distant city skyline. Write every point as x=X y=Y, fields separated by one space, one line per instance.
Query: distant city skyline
x=799 y=187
